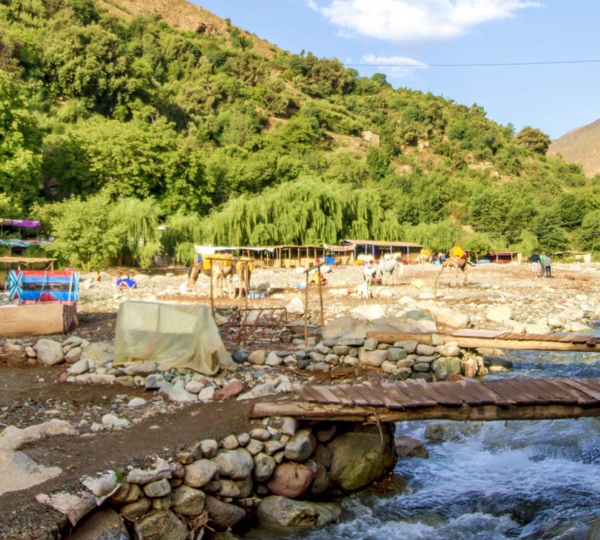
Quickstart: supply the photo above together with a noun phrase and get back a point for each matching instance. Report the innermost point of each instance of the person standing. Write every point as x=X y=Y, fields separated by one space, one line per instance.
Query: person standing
x=535 y=259
x=542 y=263
x=548 y=266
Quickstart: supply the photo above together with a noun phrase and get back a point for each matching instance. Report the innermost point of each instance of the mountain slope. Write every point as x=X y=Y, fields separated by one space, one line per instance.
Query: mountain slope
x=183 y=15
x=113 y=114
x=580 y=146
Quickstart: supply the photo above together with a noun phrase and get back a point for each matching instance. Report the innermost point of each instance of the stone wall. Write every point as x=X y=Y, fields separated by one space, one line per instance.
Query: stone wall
x=282 y=474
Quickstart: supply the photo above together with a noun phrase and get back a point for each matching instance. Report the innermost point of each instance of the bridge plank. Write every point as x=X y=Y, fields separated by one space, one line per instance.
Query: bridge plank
x=341 y=395
x=550 y=392
x=460 y=392
x=565 y=393
x=302 y=393
x=369 y=400
x=404 y=399
x=506 y=391
x=592 y=390
x=565 y=339
x=530 y=392
x=356 y=397
x=414 y=392
x=326 y=392
x=374 y=392
x=316 y=395
x=447 y=399
x=485 y=394
x=582 y=398
x=309 y=394
x=579 y=339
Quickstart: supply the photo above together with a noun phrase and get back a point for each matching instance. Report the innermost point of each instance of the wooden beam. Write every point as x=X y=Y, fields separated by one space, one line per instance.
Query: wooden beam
x=477 y=342
x=488 y=413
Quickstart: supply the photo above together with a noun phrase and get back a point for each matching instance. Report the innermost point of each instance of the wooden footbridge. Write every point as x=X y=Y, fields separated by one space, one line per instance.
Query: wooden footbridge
x=464 y=399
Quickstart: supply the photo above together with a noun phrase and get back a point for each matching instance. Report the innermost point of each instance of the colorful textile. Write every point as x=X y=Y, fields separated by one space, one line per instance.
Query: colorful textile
x=69 y=317
x=457 y=251
x=32 y=286
x=20 y=223
x=126 y=283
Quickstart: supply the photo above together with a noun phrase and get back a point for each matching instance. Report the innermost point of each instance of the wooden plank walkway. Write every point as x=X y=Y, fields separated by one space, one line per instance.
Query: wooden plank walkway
x=473 y=339
x=465 y=399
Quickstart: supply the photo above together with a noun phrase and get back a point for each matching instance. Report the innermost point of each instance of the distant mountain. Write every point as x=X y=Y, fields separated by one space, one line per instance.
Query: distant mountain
x=581 y=146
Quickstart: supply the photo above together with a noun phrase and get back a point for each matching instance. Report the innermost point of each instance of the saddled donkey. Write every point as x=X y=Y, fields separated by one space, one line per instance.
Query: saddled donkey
x=221 y=273
x=389 y=269
x=459 y=264
x=243 y=271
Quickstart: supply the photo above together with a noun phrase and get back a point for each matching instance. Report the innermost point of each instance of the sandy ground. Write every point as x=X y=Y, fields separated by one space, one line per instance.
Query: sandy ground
x=29 y=394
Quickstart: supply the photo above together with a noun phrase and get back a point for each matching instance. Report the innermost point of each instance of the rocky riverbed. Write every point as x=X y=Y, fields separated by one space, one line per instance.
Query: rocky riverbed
x=145 y=409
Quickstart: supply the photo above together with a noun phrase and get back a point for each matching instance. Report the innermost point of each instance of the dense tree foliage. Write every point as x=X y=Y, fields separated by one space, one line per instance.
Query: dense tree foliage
x=118 y=125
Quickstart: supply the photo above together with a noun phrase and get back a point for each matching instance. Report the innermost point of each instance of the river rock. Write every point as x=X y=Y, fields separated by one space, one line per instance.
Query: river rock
x=100 y=353
x=260 y=434
x=264 y=466
x=240 y=356
x=343 y=326
x=499 y=314
x=258 y=391
x=154 y=381
x=449 y=431
x=73 y=355
x=453 y=319
x=370 y=344
x=136 y=402
x=450 y=349
x=188 y=501
x=136 y=510
x=409 y=447
x=425 y=350
x=236 y=489
x=291 y=480
x=236 y=464
x=389 y=367
x=395 y=354
x=272 y=447
x=409 y=346
x=230 y=442
x=372 y=358
x=157 y=489
x=497 y=364
x=200 y=473
x=594 y=531
x=104 y=524
x=258 y=358
x=126 y=494
x=224 y=515
x=209 y=448
x=254 y=447
x=295 y=306
x=78 y=368
x=281 y=512
x=161 y=526
x=273 y=359
x=301 y=446
x=358 y=458
x=49 y=352
x=229 y=391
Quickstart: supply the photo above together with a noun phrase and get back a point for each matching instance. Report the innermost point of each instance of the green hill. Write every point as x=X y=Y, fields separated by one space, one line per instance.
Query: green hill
x=119 y=116
x=580 y=146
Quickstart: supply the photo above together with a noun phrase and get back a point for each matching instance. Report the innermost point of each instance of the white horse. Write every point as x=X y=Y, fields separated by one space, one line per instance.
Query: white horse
x=389 y=269
x=370 y=272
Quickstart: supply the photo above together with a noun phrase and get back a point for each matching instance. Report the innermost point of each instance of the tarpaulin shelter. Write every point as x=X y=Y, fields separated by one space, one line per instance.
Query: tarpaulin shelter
x=174 y=336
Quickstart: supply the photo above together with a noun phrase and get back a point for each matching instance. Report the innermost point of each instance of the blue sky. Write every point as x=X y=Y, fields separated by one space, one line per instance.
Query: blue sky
x=555 y=98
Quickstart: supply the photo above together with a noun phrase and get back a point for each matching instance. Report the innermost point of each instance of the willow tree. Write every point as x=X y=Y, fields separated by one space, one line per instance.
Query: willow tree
x=180 y=233
x=306 y=211
x=138 y=221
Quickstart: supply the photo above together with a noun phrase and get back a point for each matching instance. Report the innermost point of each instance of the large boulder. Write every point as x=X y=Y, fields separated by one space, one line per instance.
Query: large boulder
x=360 y=457
x=101 y=353
x=104 y=524
x=593 y=532
x=344 y=327
x=279 y=512
x=301 y=446
x=453 y=319
x=291 y=480
x=372 y=358
x=409 y=447
x=49 y=352
x=369 y=312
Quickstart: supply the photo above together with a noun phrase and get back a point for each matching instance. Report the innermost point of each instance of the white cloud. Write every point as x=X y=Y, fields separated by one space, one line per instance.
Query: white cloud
x=394 y=66
x=412 y=20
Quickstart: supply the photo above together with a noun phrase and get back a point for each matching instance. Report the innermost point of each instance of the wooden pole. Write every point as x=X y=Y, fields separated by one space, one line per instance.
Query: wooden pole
x=490 y=343
x=321 y=297
x=212 y=299
x=306 y=312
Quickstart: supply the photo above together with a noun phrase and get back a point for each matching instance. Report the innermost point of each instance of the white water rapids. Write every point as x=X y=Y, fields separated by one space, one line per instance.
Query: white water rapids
x=514 y=480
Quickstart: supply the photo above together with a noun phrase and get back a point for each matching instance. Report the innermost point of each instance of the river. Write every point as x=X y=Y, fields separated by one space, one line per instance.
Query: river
x=492 y=481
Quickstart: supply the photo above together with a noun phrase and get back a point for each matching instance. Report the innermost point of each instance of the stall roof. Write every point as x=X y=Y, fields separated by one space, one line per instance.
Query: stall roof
x=25 y=260
x=504 y=254
x=381 y=243
x=20 y=223
x=338 y=248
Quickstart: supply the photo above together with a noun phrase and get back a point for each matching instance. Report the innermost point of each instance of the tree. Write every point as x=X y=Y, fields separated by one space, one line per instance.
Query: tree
x=534 y=139
x=20 y=147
